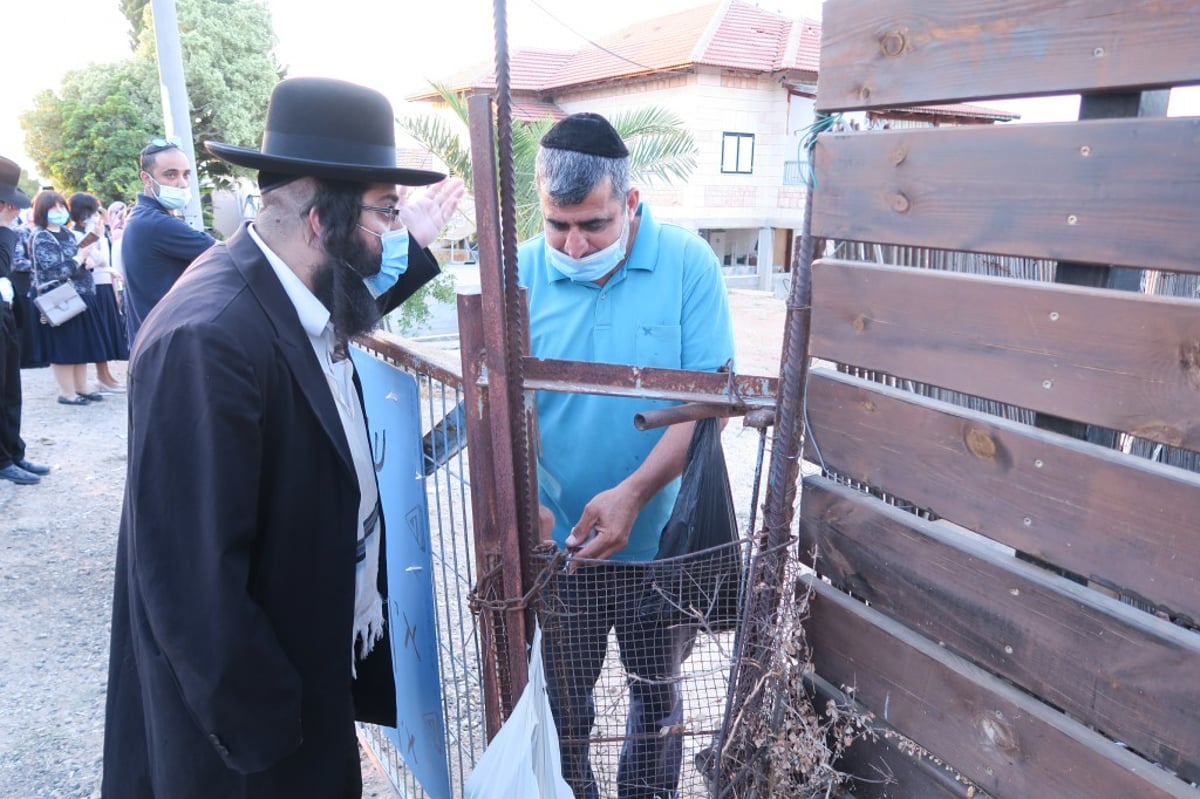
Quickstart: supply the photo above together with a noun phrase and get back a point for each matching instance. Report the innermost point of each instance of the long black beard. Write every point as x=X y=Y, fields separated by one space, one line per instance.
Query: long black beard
x=338 y=284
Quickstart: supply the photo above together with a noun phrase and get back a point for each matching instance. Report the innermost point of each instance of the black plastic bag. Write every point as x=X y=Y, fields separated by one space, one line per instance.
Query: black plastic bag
x=697 y=574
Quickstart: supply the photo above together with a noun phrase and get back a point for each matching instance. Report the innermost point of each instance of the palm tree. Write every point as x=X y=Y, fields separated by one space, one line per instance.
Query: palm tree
x=661 y=150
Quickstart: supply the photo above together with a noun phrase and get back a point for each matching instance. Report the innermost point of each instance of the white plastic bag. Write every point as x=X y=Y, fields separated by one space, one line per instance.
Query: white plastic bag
x=523 y=759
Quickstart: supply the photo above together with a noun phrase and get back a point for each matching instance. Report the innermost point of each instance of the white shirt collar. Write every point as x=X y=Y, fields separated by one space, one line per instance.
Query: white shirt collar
x=314 y=316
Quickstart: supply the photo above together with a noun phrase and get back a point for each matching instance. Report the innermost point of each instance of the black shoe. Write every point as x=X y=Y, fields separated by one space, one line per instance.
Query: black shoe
x=14 y=473
x=33 y=468
x=91 y=396
x=78 y=399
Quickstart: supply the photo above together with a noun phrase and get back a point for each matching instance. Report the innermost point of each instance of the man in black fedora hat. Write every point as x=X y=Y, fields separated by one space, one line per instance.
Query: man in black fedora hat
x=249 y=597
x=13 y=466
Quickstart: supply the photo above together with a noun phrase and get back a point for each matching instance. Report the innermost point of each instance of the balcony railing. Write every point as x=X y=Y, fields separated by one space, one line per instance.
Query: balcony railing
x=795 y=173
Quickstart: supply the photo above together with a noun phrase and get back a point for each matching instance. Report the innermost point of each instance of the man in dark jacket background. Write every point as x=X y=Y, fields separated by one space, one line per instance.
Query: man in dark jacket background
x=13 y=466
x=157 y=245
x=250 y=585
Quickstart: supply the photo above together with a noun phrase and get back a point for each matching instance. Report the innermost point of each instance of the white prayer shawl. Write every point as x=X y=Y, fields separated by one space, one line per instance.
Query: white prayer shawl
x=368 y=605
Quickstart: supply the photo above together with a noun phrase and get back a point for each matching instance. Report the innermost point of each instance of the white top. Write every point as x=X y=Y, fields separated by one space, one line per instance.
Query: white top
x=96 y=257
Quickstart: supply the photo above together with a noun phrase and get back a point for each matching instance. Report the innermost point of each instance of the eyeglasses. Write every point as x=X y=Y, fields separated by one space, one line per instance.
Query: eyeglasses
x=391 y=214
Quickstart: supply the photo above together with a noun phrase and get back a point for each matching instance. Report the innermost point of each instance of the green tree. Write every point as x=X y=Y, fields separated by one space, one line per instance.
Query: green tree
x=228 y=59
x=134 y=11
x=661 y=150
x=27 y=184
x=86 y=137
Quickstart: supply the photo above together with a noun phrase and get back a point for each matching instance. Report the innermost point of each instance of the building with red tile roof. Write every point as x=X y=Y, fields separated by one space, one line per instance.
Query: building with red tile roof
x=743 y=80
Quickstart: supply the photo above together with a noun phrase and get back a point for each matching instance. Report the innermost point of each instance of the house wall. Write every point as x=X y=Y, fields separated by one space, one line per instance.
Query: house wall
x=729 y=210
x=712 y=102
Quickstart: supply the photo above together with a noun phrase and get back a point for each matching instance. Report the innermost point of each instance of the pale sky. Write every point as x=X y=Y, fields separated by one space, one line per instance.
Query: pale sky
x=391 y=46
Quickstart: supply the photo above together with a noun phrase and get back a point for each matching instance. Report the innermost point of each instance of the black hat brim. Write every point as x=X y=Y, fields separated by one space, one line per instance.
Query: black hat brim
x=325 y=170
x=14 y=196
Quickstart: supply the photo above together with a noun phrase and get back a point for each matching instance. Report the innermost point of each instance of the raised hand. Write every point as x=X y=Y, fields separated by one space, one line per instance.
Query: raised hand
x=427 y=215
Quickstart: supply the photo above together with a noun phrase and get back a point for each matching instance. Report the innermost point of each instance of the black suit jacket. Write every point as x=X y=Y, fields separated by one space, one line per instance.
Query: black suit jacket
x=230 y=664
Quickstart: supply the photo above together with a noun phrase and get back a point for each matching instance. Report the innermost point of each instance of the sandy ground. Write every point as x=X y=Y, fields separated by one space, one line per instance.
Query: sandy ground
x=57 y=544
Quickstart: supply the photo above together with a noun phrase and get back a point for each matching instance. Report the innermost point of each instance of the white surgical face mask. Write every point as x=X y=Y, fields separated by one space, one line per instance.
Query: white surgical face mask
x=173 y=197
x=595 y=266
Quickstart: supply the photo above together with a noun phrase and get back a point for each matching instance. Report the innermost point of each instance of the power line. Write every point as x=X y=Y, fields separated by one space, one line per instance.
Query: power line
x=592 y=42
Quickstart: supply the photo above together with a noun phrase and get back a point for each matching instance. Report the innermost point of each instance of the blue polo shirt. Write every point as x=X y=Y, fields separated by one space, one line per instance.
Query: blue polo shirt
x=667 y=307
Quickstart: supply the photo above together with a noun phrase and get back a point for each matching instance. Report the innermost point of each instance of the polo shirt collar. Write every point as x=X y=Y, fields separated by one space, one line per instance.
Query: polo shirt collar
x=314 y=316
x=644 y=255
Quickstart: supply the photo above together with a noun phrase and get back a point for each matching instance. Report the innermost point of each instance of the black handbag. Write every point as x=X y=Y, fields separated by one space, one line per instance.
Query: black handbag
x=696 y=577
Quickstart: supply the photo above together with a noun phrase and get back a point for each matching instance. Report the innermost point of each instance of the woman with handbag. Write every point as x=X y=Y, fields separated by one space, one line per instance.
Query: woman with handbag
x=88 y=216
x=73 y=338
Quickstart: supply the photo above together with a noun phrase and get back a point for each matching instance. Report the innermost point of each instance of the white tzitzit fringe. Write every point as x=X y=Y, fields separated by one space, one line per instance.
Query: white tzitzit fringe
x=368 y=605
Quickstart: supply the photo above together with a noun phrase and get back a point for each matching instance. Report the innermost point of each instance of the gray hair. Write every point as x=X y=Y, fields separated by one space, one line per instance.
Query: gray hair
x=568 y=177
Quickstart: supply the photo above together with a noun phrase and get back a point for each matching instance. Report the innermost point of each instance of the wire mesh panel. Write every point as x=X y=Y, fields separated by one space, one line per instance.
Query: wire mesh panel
x=637 y=658
x=449 y=501
x=694 y=599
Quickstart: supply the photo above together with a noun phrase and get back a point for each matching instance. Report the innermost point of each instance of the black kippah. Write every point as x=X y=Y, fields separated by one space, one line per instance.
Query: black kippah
x=586 y=133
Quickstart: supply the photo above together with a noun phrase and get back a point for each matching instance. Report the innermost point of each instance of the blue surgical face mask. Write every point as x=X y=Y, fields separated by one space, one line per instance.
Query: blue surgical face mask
x=57 y=217
x=173 y=197
x=393 y=264
x=591 y=267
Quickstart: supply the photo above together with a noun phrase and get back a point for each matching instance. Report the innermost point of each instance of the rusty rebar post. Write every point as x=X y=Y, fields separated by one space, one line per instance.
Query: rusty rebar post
x=516 y=315
x=497 y=488
x=494 y=582
x=768 y=567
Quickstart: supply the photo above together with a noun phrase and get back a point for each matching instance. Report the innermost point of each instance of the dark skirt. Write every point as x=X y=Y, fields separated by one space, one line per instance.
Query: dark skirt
x=111 y=323
x=32 y=331
x=78 y=340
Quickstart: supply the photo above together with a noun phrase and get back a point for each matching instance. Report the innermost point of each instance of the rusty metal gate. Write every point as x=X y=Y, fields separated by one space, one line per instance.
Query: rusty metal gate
x=1030 y=630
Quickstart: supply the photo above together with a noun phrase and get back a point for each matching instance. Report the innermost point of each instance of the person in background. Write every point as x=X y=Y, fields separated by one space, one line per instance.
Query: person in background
x=117 y=212
x=13 y=465
x=88 y=216
x=608 y=283
x=58 y=256
x=250 y=589
x=32 y=332
x=158 y=245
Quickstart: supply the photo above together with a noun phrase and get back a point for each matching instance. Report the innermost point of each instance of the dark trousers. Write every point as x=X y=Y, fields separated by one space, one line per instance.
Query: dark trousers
x=583 y=607
x=12 y=448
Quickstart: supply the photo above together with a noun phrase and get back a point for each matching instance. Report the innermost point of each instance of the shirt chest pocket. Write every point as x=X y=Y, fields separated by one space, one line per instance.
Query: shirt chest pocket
x=659 y=345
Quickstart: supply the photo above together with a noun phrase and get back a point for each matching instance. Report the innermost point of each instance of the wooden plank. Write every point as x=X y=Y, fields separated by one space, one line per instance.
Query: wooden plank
x=1104 y=105
x=1002 y=739
x=1115 y=518
x=1119 y=360
x=1124 y=672
x=882 y=765
x=1110 y=191
x=881 y=53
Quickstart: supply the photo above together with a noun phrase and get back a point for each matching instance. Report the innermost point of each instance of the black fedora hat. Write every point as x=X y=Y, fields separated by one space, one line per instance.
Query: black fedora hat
x=329 y=129
x=10 y=176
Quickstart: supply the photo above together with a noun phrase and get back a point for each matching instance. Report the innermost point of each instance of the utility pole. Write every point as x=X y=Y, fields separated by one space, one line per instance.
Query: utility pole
x=176 y=109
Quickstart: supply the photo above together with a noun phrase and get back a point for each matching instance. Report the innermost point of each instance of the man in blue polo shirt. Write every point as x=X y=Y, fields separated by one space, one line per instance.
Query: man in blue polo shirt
x=157 y=245
x=607 y=283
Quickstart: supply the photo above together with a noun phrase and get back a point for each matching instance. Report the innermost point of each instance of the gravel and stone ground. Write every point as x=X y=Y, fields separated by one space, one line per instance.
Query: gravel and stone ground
x=57 y=550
